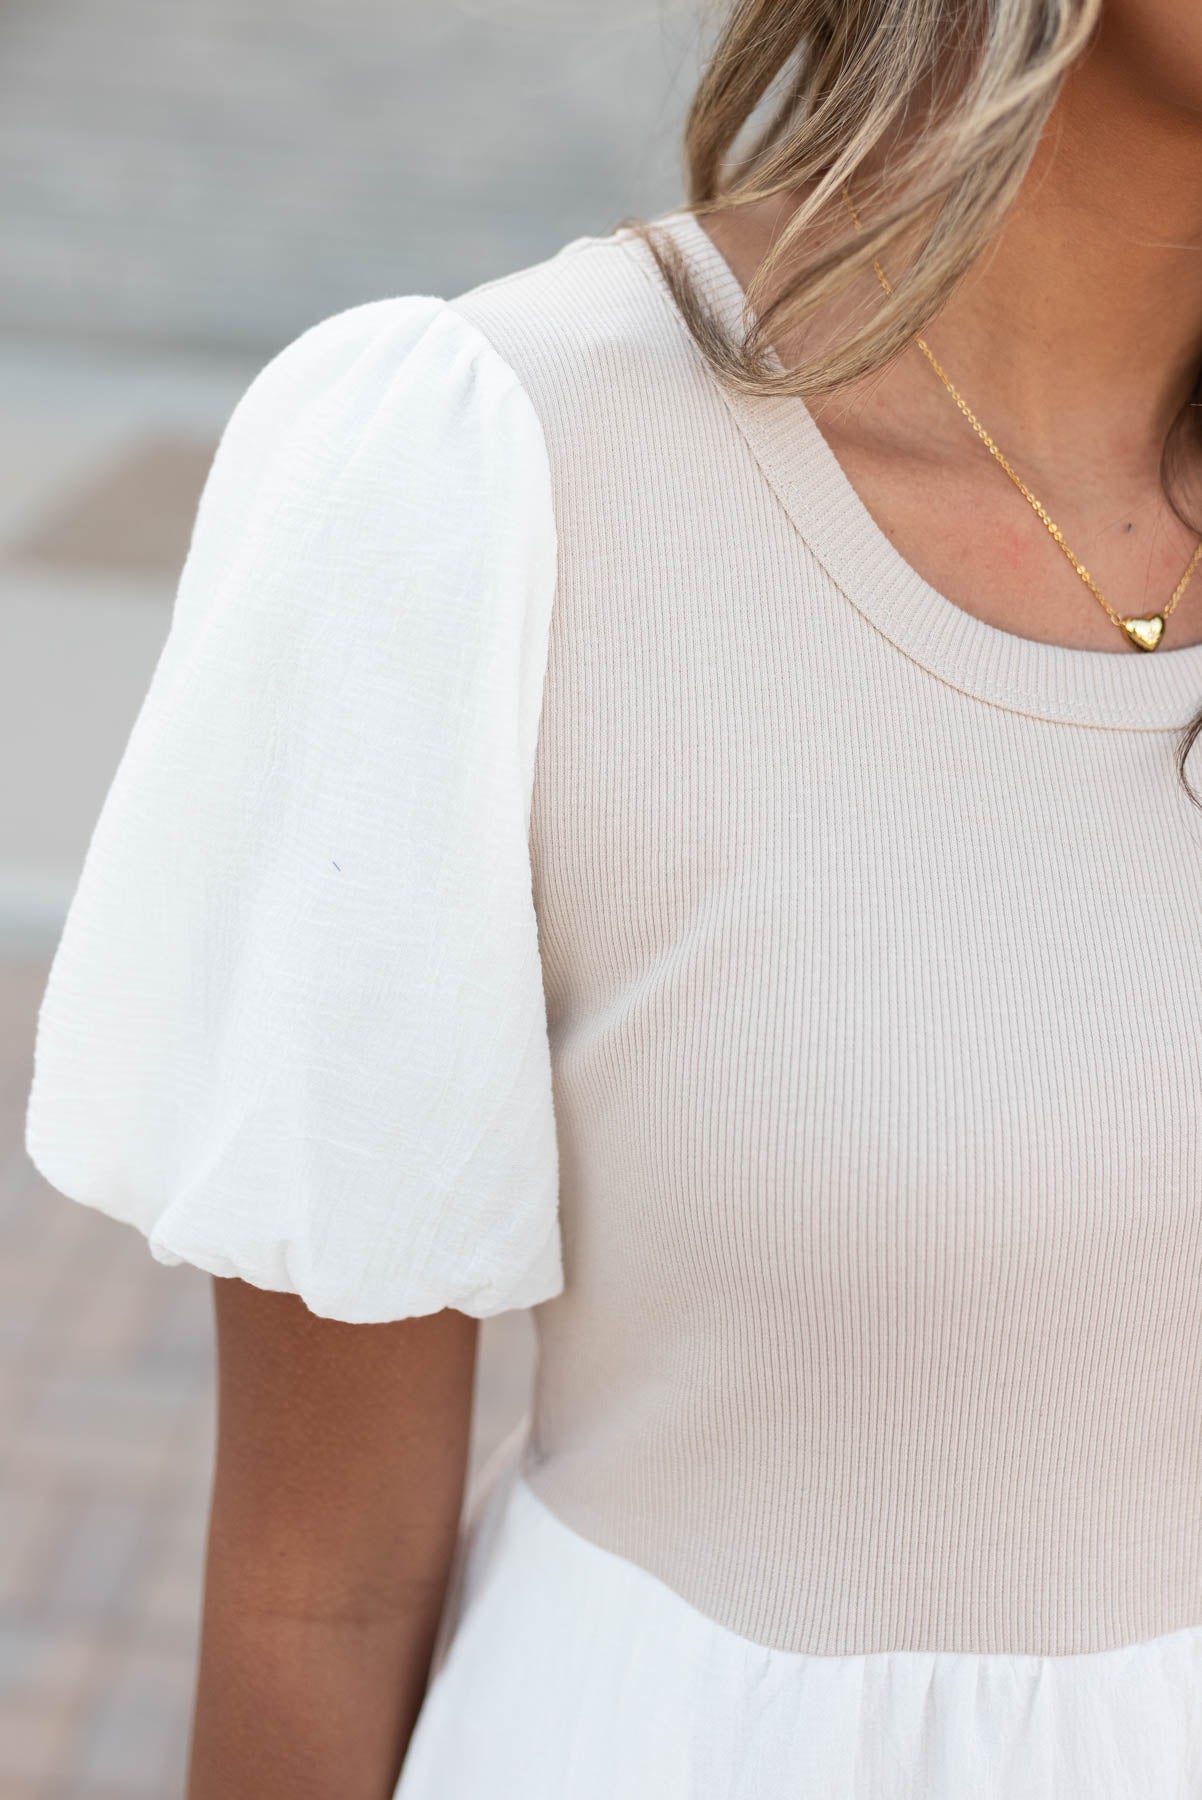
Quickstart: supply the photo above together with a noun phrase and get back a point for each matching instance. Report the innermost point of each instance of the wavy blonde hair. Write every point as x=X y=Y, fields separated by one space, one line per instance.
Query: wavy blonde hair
x=956 y=91
x=806 y=97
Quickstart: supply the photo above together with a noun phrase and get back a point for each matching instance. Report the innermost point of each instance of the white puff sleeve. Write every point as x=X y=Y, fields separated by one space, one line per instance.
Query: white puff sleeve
x=294 y=1029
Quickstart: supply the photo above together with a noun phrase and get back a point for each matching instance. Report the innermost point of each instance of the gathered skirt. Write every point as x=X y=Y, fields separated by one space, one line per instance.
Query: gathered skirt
x=564 y=1672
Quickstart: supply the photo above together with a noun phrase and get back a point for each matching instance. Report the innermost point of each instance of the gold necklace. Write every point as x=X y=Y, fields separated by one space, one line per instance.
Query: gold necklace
x=1144 y=633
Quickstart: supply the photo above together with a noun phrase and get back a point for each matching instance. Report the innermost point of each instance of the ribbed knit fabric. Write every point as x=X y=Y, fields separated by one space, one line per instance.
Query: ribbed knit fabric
x=566 y=857
x=872 y=944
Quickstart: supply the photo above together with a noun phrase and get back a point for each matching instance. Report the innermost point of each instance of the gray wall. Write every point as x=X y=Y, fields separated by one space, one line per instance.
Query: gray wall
x=224 y=171
x=184 y=187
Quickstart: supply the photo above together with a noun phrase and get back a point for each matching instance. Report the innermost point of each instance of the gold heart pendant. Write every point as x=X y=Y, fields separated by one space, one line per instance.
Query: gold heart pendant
x=1146 y=633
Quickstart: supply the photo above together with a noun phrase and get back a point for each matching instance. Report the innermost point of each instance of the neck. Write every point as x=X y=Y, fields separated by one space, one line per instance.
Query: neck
x=1085 y=317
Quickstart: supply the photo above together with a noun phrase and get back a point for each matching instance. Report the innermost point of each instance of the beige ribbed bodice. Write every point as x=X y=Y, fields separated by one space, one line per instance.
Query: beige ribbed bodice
x=872 y=945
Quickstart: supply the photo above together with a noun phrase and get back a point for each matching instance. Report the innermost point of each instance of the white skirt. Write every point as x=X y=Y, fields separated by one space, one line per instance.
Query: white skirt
x=567 y=1673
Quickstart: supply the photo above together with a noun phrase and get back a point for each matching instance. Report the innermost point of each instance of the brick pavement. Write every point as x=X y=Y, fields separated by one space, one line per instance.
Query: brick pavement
x=226 y=171
x=106 y=1422
x=183 y=189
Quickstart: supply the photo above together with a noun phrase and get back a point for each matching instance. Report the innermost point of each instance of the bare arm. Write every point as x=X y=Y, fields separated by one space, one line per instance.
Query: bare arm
x=341 y=1455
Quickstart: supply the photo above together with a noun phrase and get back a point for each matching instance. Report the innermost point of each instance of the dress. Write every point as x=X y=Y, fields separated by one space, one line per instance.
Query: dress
x=567 y=858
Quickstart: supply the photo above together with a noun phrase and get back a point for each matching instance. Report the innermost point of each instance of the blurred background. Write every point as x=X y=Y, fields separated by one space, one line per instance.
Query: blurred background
x=183 y=188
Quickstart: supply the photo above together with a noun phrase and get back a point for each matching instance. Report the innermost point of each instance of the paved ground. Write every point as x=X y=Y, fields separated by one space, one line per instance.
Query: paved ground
x=183 y=188
x=102 y=454
x=106 y=1424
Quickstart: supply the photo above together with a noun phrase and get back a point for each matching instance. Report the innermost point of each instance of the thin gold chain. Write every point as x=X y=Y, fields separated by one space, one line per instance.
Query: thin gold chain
x=1000 y=457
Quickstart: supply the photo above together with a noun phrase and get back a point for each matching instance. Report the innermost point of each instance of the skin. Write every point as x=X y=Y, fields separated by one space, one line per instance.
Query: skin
x=341 y=1452
x=1075 y=340
x=341 y=1448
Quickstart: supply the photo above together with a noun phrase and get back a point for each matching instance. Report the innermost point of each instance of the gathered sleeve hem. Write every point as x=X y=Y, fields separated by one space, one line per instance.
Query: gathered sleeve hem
x=294 y=1030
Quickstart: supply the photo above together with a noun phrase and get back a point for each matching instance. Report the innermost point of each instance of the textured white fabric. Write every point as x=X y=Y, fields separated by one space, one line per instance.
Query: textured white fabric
x=295 y=1027
x=570 y=1671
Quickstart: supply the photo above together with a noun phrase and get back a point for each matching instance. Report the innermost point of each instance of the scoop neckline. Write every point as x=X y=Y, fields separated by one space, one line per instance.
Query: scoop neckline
x=1140 y=691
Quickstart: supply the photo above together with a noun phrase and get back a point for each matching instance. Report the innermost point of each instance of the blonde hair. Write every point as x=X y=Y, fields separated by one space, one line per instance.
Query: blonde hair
x=957 y=90
x=948 y=97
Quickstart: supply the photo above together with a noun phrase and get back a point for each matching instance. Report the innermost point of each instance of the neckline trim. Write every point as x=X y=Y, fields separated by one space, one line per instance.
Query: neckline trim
x=1117 y=690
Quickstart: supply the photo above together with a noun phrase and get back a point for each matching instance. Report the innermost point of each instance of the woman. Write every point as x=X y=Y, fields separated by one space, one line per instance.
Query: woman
x=643 y=814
